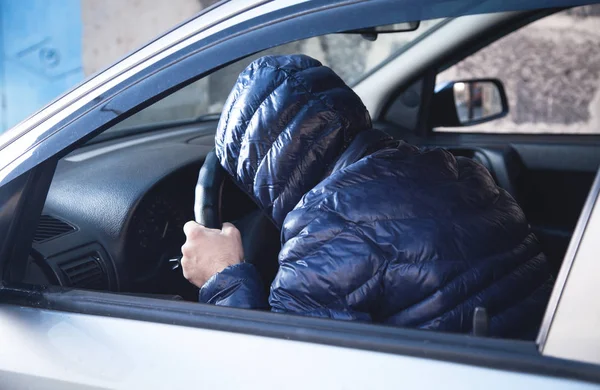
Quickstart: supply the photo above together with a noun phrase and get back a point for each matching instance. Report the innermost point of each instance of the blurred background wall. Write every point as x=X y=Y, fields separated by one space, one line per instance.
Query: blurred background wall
x=113 y=28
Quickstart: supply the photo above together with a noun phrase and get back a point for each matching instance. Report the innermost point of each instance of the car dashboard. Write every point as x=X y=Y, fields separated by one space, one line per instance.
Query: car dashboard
x=115 y=212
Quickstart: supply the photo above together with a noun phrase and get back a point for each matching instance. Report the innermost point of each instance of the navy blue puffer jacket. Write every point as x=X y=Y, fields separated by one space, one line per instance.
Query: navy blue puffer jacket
x=401 y=236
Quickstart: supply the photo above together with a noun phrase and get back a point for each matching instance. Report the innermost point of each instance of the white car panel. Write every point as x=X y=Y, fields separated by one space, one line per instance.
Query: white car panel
x=51 y=349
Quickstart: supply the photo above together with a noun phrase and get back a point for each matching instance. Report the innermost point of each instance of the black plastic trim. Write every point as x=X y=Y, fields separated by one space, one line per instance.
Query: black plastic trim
x=21 y=204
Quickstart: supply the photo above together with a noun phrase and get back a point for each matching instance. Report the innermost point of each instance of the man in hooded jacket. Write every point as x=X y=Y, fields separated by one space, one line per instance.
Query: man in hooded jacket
x=372 y=229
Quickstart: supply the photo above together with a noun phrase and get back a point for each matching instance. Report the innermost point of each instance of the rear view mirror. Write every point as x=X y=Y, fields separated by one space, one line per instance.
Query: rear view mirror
x=371 y=33
x=468 y=102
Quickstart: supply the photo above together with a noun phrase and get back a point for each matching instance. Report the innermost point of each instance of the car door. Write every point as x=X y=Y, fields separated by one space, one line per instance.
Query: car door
x=546 y=150
x=68 y=338
x=550 y=71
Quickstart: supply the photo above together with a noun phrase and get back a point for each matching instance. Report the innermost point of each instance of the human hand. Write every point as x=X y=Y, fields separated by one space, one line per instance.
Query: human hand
x=209 y=251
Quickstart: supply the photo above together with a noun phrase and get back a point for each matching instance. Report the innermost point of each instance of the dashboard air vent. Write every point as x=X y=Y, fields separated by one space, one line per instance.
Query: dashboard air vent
x=85 y=272
x=49 y=228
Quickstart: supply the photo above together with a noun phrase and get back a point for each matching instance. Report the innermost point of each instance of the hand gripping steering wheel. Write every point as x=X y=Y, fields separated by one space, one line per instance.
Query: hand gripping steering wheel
x=218 y=199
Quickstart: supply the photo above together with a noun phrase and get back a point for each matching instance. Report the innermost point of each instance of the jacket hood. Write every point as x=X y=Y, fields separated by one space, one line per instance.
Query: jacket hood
x=283 y=126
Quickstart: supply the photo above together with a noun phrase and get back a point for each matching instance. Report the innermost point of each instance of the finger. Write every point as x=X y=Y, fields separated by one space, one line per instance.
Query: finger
x=190 y=227
x=229 y=229
x=207 y=229
x=184 y=267
x=185 y=250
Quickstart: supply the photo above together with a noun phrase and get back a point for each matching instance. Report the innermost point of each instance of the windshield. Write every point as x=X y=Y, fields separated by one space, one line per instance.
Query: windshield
x=350 y=55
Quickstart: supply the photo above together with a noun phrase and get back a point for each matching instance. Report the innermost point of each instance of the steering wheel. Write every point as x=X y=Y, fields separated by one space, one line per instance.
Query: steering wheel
x=209 y=191
x=219 y=200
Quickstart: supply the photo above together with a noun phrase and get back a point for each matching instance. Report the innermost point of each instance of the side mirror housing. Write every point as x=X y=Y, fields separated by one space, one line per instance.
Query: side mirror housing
x=468 y=102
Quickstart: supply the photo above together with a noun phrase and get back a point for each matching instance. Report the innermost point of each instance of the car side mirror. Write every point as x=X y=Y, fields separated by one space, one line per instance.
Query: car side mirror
x=468 y=102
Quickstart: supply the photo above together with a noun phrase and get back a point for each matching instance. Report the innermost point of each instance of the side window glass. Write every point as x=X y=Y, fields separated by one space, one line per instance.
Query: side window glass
x=551 y=73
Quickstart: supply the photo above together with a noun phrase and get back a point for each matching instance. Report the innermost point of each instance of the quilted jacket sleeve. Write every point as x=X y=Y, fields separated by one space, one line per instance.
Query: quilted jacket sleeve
x=236 y=286
x=313 y=279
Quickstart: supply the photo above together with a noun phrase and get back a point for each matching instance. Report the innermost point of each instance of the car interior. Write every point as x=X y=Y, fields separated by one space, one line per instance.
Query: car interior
x=113 y=218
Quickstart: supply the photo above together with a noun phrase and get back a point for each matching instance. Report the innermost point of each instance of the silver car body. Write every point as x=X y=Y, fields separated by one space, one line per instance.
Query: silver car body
x=52 y=350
